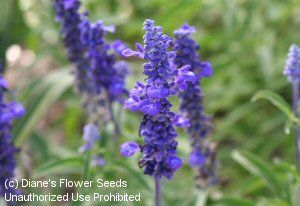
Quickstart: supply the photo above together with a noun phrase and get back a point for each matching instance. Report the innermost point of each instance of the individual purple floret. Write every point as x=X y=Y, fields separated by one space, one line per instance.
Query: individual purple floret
x=129 y=148
x=157 y=127
x=202 y=156
x=8 y=112
x=292 y=67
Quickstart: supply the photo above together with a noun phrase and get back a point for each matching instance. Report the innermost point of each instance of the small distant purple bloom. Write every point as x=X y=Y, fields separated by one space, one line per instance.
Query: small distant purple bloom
x=129 y=148
x=98 y=161
x=196 y=159
x=91 y=135
x=292 y=67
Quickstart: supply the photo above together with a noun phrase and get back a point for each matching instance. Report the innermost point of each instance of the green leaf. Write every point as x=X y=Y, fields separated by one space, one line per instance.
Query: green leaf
x=276 y=100
x=55 y=85
x=258 y=167
x=64 y=166
x=231 y=201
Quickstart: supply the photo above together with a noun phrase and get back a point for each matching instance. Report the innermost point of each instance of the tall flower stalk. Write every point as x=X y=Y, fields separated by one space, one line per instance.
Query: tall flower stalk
x=152 y=100
x=100 y=78
x=292 y=72
x=202 y=156
x=9 y=111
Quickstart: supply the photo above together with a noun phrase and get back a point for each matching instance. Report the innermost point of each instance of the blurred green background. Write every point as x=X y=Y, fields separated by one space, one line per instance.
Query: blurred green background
x=246 y=42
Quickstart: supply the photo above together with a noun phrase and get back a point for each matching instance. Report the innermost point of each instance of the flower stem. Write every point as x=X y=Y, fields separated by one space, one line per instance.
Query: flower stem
x=113 y=119
x=157 y=191
x=296 y=128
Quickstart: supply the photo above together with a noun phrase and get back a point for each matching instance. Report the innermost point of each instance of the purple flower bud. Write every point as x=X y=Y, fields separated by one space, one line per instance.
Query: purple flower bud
x=128 y=149
x=174 y=162
x=292 y=67
x=98 y=161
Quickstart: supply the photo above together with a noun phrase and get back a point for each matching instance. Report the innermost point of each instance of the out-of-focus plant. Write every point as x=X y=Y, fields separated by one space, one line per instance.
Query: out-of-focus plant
x=100 y=78
x=9 y=111
x=203 y=155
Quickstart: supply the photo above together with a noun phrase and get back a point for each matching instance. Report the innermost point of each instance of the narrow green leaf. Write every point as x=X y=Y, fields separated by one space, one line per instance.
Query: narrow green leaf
x=64 y=166
x=276 y=100
x=56 y=84
x=258 y=167
x=231 y=201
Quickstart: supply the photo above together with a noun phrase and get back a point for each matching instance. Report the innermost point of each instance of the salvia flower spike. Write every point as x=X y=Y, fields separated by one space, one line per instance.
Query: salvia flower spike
x=9 y=111
x=68 y=15
x=151 y=98
x=292 y=72
x=100 y=77
x=202 y=156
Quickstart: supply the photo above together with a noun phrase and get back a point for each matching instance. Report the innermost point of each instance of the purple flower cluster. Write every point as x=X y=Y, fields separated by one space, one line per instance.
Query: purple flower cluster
x=100 y=77
x=202 y=156
x=292 y=67
x=107 y=74
x=68 y=15
x=157 y=126
x=97 y=70
x=8 y=112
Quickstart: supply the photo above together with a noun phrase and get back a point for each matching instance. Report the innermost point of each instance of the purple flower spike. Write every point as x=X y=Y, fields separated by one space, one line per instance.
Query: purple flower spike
x=292 y=67
x=100 y=77
x=202 y=156
x=152 y=100
x=128 y=149
x=8 y=112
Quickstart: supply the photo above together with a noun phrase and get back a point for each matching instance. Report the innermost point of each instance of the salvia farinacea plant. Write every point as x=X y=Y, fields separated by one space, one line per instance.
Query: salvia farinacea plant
x=163 y=80
x=292 y=72
x=202 y=156
x=9 y=111
x=100 y=77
